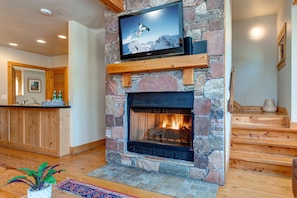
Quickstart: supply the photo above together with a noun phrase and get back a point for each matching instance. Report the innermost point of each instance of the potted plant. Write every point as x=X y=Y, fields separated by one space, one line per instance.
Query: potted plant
x=40 y=185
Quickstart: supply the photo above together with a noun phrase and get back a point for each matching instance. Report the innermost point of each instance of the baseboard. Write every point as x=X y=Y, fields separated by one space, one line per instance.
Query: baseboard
x=85 y=147
x=282 y=110
x=293 y=125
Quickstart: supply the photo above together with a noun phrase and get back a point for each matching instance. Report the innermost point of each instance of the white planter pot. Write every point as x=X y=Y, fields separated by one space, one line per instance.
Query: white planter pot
x=44 y=193
x=269 y=106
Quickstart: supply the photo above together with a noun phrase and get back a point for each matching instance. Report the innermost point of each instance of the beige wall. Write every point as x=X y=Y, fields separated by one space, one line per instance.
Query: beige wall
x=284 y=75
x=86 y=83
x=20 y=56
x=254 y=60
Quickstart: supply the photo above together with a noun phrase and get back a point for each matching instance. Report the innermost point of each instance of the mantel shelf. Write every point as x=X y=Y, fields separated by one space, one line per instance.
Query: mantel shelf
x=186 y=62
x=168 y=63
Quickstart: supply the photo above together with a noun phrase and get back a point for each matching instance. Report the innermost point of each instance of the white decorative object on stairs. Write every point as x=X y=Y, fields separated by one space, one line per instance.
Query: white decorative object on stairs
x=269 y=106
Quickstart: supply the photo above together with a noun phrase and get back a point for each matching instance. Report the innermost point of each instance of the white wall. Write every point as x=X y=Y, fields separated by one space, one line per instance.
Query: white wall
x=284 y=75
x=19 y=56
x=294 y=65
x=255 y=61
x=59 y=61
x=228 y=69
x=86 y=83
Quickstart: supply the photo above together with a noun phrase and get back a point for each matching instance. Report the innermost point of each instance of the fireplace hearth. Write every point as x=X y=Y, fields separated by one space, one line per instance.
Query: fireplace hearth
x=160 y=124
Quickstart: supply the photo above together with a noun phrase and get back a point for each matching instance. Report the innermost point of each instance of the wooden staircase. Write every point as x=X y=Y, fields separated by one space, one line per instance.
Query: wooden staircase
x=262 y=142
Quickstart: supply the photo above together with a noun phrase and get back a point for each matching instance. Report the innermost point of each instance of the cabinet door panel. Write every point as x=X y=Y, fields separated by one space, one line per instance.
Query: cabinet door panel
x=16 y=126
x=50 y=125
x=32 y=128
x=4 y=124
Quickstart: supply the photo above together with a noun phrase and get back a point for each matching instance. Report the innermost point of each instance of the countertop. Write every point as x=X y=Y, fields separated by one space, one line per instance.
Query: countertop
x=33 y=106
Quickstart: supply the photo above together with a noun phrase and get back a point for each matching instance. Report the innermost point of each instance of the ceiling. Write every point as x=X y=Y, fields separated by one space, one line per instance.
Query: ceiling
x=22 y=23
x=243 y=9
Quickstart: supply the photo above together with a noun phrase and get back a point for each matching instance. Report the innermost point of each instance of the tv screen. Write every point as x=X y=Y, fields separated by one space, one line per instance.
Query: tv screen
x=156 y=31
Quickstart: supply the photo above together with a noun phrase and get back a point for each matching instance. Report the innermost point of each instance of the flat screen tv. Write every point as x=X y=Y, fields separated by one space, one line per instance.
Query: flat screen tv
x=154 y=32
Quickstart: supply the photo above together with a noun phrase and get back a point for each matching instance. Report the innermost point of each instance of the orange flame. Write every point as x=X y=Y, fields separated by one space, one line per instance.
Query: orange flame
x=173 y=121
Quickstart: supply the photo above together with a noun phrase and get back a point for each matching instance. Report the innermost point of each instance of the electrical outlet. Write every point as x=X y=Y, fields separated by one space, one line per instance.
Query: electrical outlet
x=4 y=97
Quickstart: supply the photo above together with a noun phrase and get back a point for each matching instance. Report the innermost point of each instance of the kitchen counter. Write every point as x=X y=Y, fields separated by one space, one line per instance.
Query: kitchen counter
x=33 y=106
x=35 y=128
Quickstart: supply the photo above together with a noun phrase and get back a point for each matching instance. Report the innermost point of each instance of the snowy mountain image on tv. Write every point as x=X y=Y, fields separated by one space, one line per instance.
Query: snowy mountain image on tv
x=155 y=30
x=164 y=42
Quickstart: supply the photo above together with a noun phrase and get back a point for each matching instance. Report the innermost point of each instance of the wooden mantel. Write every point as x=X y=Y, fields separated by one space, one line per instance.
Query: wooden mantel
x=187 y=63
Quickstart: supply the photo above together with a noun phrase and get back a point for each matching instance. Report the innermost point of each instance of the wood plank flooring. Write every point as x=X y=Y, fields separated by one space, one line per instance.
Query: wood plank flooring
x=239 y=183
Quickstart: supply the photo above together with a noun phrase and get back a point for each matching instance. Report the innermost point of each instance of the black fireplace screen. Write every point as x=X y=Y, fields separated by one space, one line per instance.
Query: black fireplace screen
x=160 y=124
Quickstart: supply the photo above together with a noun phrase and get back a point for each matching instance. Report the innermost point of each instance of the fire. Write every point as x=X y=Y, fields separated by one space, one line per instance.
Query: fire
x=172 y=121
x=164 y=124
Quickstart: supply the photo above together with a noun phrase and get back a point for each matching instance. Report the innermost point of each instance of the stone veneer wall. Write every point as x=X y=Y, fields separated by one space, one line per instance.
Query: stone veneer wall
x=203 y=20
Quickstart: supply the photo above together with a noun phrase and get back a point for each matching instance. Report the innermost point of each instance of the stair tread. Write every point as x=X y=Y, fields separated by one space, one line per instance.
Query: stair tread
x=262 y=113
x=262 y=128
x=268 y=142
x=262 y=158
x=259 y=139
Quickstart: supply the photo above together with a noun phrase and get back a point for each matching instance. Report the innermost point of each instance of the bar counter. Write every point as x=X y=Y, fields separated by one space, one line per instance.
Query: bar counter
x=36 y=128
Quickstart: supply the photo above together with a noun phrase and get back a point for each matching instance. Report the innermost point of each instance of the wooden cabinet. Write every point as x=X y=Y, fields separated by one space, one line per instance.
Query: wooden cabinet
x=41 y=130
x=3 y=124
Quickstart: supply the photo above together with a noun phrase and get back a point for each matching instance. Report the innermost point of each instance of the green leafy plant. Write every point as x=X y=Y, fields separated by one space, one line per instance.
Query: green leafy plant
x=41 y=177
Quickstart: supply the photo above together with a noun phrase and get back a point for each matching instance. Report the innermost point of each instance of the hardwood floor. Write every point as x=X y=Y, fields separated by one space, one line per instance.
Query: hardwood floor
x=239 y=183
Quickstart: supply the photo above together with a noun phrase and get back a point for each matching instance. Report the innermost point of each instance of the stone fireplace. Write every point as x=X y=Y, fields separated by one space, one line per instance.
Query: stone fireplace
x=204 y=20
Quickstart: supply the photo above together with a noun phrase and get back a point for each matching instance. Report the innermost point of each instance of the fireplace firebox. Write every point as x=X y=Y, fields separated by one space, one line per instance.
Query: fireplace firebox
x=161 y=124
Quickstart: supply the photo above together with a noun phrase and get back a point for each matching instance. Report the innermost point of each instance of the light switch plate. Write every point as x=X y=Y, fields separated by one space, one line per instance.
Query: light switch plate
x=4 y=97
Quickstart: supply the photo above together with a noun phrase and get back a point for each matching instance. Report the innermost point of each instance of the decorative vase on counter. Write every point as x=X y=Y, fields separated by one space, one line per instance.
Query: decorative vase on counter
x=269 y=106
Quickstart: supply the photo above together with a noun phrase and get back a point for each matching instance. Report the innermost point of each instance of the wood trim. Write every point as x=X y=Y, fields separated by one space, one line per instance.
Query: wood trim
x=231 y=91
x=282 y=110
x=10 y=91
x=169 y=63
x=126 y=80
x=187 y=63
x=295 y=2
x=10 y=98
x=114 y=5
x=188 y=76
x=282 y=45
x=50 y=82
x=85 y=147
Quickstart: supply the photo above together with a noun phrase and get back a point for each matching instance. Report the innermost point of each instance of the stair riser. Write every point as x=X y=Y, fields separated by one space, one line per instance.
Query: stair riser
x=260 y=167
x=264 y=149
x=264 y=134
x=260 y=121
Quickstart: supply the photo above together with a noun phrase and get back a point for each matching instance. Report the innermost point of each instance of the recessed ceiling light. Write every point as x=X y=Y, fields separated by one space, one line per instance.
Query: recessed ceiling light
x=46 y=12
x=40 y=41
x=62 y=36
x=13 y=44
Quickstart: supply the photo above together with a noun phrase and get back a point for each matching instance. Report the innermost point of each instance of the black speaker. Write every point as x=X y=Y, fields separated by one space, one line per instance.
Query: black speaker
x=200 y=47
x=188 y=45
